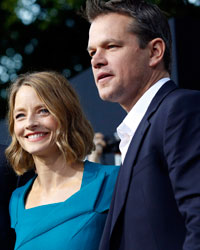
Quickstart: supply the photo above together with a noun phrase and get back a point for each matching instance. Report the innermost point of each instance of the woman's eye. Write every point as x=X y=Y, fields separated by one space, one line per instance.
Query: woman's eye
x=44 y=111
x=19 y=116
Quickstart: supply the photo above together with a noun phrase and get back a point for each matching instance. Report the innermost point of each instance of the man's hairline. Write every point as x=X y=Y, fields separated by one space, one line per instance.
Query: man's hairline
x=129 y=27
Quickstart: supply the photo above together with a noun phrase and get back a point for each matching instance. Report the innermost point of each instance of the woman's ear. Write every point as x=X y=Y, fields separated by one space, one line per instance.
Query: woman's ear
x=157 y=50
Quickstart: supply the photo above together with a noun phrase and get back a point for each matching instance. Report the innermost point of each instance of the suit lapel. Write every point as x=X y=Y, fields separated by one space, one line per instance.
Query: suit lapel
x=125 y=174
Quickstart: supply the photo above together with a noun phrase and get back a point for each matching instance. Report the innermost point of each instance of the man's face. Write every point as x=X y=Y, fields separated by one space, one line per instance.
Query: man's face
x=120 y=66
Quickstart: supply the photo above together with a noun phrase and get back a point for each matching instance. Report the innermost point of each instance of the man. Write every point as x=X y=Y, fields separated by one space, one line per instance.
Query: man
x=156 y=203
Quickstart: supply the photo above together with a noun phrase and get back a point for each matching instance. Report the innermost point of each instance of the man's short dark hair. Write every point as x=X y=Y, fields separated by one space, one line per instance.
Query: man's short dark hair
x=149 y=21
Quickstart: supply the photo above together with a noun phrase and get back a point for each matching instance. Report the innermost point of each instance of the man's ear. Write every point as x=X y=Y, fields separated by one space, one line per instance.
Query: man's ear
x=157 y=50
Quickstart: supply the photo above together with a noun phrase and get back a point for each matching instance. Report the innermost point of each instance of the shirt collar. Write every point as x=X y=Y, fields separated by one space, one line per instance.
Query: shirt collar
x=139 y=109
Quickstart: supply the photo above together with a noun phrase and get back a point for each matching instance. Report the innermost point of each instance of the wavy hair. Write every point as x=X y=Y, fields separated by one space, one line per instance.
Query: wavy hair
x=74 y=135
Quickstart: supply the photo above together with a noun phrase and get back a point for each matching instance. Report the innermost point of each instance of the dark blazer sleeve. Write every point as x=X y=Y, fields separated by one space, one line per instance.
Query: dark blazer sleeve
x=8 y=181
x=182 y=151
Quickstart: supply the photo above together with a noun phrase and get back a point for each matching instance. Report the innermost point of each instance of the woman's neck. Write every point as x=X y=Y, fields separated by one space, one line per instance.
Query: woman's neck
x=54 y=172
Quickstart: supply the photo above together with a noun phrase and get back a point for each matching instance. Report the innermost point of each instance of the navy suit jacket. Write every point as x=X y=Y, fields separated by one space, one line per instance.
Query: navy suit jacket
x=156 y=202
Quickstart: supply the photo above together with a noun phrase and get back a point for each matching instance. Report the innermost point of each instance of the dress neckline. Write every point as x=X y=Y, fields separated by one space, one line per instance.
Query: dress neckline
x=85 y=177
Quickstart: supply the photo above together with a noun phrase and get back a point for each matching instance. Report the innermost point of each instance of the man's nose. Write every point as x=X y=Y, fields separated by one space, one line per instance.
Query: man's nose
x=98 y=60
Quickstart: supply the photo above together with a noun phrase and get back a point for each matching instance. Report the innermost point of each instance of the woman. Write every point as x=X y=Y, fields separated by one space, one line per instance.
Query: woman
x=65 y=205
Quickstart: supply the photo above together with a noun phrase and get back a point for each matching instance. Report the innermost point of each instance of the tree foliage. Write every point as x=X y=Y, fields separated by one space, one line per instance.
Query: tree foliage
x=49 y=35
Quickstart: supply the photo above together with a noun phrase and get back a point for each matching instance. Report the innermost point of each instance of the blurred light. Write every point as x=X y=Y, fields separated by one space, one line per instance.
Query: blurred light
x=2 y=69
x=10 y=64
x=4 y=77
x=27 y=11
x=17 y=57
x=3 y=94
x=28 y=2
x=195 y=2
x=13 y=77
x=11 y=71
x=78 y=67
x=18 y=65
x=10 y=52
x=43 y=15
x=29 y=49
x=67 y=73
x=70 y=23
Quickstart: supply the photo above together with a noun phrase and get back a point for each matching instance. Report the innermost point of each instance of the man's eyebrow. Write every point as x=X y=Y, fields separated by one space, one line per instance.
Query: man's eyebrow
x=105 y=42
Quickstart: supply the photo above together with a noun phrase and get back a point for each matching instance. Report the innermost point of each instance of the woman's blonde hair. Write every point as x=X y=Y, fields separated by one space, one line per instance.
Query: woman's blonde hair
x=75 y=134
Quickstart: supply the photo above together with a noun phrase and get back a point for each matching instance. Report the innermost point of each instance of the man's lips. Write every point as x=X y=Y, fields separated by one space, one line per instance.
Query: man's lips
x=103 y=75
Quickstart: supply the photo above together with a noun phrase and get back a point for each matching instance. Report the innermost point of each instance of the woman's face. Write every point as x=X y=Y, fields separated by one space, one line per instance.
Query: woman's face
x=34 y=126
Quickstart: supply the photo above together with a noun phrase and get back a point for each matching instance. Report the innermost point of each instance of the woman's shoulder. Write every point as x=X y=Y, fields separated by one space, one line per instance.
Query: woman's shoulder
x=101 y=168
x=18 y=192
x=17 y=199
x=107 y=176
x=106 y=173
x=14 y=205
x=14 y=201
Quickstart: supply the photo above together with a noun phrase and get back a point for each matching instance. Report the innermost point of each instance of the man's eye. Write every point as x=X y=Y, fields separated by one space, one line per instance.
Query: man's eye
x=111 y=46
x=92 y=53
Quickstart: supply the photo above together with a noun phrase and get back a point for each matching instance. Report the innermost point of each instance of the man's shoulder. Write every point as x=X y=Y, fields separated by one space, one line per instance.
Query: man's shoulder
x=183 y=97
x=174 y=97
x=185 y=92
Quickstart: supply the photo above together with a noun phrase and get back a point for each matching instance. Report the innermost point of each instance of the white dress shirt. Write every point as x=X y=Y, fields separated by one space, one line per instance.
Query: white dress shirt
x=127 y=128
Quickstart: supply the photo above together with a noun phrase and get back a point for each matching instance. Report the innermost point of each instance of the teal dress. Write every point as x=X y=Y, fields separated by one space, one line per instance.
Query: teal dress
x=75 y=224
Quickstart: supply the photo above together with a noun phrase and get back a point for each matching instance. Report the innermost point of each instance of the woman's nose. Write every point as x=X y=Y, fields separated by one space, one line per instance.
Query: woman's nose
x=31 y=122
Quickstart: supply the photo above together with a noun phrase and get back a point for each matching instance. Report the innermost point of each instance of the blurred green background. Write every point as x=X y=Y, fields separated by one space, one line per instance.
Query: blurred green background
x=50 y=35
